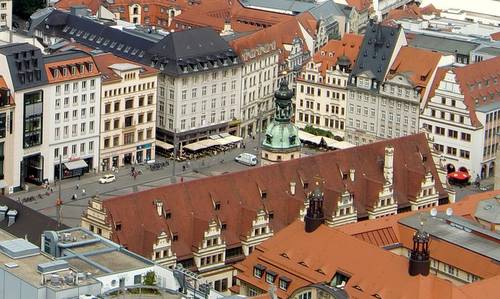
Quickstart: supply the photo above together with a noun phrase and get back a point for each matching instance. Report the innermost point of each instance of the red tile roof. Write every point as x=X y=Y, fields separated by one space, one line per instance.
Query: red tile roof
x=307 y=258
x=417 y=64
x=191 y=204
x=411 y=11
x=93 y=5
x=328 y=55
x=104 y=61
x=479 y=83
x=282 y=33
x=359 y=5
x=67 y=63
x=442 y=251
x=495 y=36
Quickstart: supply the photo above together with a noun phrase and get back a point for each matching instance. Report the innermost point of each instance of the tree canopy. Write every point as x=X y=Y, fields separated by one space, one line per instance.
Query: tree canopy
x=24 y=8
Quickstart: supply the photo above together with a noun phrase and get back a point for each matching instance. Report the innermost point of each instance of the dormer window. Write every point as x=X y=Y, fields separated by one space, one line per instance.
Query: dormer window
x=118 y=226
x=258 y=270
x=284 y=282
x=168 y=214
x=175 y=237
x=217 y=206
x=270 y=276
x=65 y=71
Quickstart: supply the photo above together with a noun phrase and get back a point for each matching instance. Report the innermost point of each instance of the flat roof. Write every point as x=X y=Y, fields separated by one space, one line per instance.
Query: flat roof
x=459 y=232
x=26 y=268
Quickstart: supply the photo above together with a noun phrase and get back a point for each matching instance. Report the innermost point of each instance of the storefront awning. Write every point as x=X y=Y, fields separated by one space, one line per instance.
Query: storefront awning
x=304 y=136
x=75 y=164
x=164 y=145
x=232 y=138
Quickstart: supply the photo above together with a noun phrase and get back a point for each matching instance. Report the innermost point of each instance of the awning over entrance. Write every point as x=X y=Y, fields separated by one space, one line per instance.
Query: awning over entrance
x=72 y=165
x=164 y=145
x=337 y=144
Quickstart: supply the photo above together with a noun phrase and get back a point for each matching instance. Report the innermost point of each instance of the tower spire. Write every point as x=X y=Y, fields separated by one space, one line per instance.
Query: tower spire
x=314 y=216
x=419 y=255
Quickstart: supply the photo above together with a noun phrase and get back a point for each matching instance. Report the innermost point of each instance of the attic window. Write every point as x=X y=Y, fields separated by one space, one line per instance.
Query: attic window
x=263 y=194
x=223 y=226
x=340 y=279
x=271 y=215
x=303 y=264
x=377 y=296
x=175 y=237
x=168 y=215
x=99 y=40
x=320 y=271
x=424 y=158
x=120 y=47
x=357 y=287
x=118 y=227
x=285 y=255
x=306 y=185
x=344 y=176
x=217 y=206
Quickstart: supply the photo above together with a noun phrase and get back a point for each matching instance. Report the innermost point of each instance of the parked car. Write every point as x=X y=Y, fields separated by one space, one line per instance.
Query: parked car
x=246 y=159
x=108 y=178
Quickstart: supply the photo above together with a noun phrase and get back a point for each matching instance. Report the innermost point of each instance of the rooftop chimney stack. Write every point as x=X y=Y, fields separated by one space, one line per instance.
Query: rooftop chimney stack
x=292 y=188
x=389 y=164
x=3 y=211
x=11 y=215
x=159 y=207
x=420 y=262
x=314 y=216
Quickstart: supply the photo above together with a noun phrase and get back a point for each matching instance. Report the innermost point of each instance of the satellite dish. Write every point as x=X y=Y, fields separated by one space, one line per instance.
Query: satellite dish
x=434 y=212
x=449 y=211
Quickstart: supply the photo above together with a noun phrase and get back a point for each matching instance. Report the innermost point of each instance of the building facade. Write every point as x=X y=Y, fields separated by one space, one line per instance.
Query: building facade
x=258 y=78
x=26 y=79
x=6 y=137
x=321 y=90
x=463 y=117
x=128 y=112
x=380 y=47
x=6 y=14
x=73 y=90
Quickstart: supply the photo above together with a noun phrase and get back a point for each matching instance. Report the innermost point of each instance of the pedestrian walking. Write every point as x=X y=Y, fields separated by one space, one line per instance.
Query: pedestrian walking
x=83 y=191
x=77 y=186
x=75 y=197
x=182 y=179
x=183 y=167
x=188 y=164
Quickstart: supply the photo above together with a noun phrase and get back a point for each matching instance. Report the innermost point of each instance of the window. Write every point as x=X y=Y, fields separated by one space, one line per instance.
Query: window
x=129 y=121
x=258 y=270
x=451 y=151
x=465 y=137
x=129 y=104
x=453 y=134
x=128 y=138
x=464 y=154
x=270 y=276
x=305 y=295
x=117 y=106
x=33 y=115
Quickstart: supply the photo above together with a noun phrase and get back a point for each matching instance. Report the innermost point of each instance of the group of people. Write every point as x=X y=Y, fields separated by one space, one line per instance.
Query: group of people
x=75 y=196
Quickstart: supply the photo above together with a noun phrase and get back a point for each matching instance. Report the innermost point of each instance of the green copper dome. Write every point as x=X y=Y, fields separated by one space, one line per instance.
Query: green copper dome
x=281 y=134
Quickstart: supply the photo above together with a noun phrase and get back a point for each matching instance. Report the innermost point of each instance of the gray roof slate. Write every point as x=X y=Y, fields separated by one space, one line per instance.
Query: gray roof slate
x=444 y=45
x=489 y=210
x=376 y=51
x=25 y=64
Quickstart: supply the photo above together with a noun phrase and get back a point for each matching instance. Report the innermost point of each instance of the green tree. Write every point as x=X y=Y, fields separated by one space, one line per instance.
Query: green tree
x=24 y=8
x=150 y=279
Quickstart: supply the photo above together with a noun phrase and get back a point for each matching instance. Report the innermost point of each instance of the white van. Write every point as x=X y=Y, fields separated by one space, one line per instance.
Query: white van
x=246 y=159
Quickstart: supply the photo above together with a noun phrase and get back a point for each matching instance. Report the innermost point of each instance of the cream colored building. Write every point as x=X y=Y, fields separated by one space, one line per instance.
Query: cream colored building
x=128 y=112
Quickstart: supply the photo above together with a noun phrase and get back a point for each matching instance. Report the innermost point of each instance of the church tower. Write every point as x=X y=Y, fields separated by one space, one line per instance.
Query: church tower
x=281 y=142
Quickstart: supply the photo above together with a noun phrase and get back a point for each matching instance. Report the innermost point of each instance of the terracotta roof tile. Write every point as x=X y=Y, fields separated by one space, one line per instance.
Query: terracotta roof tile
x=191 y=203
x=93 y=5
x=69 y=76
x=371 y=269
x=104 y=61
x=3 y=85
x=477 y=84
x=359 y=5
x=495 y=36
x=329 y=54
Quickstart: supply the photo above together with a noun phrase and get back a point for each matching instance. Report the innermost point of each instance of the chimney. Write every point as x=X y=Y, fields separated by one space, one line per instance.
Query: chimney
x=351 y=174
x=389 y=163
x=314 y=216
x=227 y=28
x=3 y=210
x=11 y=216
x=159 y=207
x=292 y=188
x=420 y=262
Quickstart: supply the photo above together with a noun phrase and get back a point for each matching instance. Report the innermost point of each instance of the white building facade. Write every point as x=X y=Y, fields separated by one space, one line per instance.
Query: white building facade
x=463 y=117
x=73 y=95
